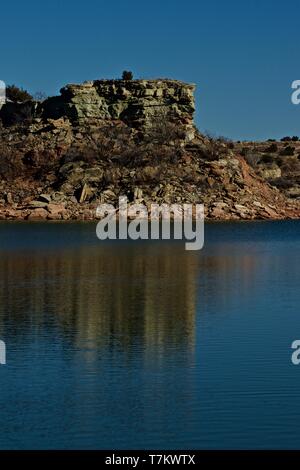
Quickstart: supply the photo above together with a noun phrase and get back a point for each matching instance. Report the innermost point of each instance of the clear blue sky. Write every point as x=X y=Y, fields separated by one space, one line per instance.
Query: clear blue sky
x=242 y=56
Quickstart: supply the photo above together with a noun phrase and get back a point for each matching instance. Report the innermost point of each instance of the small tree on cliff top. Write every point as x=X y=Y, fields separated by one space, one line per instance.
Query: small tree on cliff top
x=127 y=75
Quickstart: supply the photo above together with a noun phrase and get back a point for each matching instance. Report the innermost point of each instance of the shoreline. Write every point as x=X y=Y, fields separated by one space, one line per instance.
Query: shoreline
x=89 y=215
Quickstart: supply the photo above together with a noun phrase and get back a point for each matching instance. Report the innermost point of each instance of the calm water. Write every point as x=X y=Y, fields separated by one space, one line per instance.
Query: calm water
x=144 y=345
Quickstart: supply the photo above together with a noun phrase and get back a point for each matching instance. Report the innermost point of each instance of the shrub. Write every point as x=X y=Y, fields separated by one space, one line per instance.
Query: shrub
x=44 y=162
x=288 y=151
x=10 y=164
x=108 y=143
x=266 y=158
x=282 y=183
x=16 y=94
x=272 y=148
x=163 y=131
x=226 y=141
x=294 y=138
x=252 y=158
x=148 y=174
x=290 y=166
x=127 y=75
x=12 y=114
x=215 y=147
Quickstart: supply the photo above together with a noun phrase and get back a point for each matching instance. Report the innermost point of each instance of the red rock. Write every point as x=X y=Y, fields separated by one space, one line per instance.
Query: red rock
x=38 y=214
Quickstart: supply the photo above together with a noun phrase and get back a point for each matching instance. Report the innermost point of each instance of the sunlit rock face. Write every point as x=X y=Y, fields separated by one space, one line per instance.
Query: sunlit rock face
x=135 y=102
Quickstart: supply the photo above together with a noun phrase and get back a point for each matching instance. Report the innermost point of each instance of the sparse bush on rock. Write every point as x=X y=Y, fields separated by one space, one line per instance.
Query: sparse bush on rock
x=215 y=147
x=16 y=94
x=287 y=151
x=294 y=138
x=252 y=158
x=267 y=158
x=127 y=75
x=273 y=148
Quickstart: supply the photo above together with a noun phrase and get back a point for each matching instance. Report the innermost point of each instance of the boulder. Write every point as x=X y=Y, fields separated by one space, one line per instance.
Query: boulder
x=38 y=214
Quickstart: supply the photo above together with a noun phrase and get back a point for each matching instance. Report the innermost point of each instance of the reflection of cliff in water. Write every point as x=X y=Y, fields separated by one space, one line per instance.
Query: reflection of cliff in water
x=122 y=297
x=104 y=296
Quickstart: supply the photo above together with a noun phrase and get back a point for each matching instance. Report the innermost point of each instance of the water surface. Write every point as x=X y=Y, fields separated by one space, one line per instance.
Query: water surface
x=144 y=345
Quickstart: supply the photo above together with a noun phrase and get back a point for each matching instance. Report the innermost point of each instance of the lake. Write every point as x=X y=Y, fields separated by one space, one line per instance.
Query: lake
x=143 y=345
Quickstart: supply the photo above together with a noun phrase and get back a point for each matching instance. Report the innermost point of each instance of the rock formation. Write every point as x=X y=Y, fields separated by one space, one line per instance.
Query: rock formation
x=108 y=138
x=135 y=102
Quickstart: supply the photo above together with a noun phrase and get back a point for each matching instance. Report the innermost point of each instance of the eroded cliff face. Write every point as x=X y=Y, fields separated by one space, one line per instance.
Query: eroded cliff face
x=135 y=102
x=109 y=138
x=55 y=170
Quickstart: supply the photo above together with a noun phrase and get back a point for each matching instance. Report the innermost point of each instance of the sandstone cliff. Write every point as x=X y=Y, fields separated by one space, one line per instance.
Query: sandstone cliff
x=107 y=138
x=135 y=102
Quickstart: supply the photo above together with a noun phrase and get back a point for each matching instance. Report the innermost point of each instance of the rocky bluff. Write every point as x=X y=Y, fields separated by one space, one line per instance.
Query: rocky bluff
x=135 y=102
x=104 y=139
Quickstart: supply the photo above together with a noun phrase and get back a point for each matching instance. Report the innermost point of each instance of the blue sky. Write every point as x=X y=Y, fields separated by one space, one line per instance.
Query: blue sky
x=243 y=56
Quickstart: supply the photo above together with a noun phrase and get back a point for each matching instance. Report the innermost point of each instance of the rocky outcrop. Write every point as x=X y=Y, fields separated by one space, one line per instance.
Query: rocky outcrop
x=277 y=162
x=135 y=102
x=52 y=171
x=109 y=138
